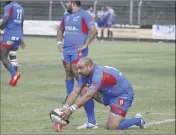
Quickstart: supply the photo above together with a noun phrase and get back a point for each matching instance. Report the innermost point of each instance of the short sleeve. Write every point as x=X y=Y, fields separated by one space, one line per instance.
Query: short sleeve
x=97 y=81
x=81 y=82
x=8 y=10
x=88 y=20
x=62 y=23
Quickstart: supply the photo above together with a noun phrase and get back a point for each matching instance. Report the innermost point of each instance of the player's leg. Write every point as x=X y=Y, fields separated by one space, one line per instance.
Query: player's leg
x=102 y=32
x=13 y=58
x=5 y=48
x=69 y=81
x=109 y=30
x=103 y=99
x=102 y=25
x=119 y=108
x=89 y=108
x=111 y=33
x=76 y=56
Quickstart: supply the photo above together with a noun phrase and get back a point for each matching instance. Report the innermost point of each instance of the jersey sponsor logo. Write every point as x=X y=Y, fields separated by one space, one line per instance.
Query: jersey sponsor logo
x=71 y=28
x=121 y=102
x=15 y=38
x=76 y=19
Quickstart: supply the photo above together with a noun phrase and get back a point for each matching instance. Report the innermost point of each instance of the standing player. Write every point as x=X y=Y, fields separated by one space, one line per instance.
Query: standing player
x=108 y=86
x=101 y=21
x=90 y=11
x=79 y=31
x=109 y=21
x=12 y=24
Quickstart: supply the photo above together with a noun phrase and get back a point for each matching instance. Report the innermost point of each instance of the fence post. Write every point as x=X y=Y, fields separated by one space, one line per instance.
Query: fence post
x=131 y=12
x=61 y=2
x=50 y=9
x=139 y=12
x=95 y=6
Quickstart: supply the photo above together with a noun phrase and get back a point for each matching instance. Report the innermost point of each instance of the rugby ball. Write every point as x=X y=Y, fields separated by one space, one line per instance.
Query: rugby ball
x=55 y=117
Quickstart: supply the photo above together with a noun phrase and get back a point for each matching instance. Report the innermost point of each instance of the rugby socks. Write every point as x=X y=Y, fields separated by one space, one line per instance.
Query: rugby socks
x=126 y=123
x=89 y=109
x=11 y=70
x=69 y=86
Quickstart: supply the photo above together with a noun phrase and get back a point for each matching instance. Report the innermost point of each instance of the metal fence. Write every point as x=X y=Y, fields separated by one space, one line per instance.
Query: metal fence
x=127 y=12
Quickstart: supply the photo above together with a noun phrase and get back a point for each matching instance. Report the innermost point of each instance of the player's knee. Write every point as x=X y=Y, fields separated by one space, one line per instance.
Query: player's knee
x=13 y=54
x=111 y=126
x=13 y=58
x=74 y=71
x=69 y=74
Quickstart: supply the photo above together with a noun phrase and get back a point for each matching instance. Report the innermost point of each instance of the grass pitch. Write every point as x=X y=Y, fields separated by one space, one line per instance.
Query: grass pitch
x=150 y=67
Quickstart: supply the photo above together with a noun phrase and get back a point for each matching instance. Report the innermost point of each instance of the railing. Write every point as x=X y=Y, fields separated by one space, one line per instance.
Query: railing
x=135 y=12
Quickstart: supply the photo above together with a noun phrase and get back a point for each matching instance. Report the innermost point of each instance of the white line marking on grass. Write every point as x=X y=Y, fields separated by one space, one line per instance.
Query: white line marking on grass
x=160 y=122
x=172 y=114
x=156 y=123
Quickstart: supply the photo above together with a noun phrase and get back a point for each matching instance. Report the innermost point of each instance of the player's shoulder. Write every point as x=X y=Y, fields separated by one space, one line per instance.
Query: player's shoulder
x=14 y=4
x=8 y=6
x=98 y=71
x=18 y=5
x=84 y=12
x=111 y=10
x=66 y=14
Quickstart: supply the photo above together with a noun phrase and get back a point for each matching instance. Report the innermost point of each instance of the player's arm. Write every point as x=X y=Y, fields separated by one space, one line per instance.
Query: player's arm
x=60 y=32
x=76 y=92
x=4 y=22
x=89 y=94
x=92 y=90
x=111 y=15
x=91 y=27
x=7 y=14
x=22 y=23
x=22 y=45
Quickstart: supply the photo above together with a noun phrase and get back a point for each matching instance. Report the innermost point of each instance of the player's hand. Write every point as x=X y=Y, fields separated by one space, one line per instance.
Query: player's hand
x=22 y=45
x=66 y=113
x=60 y=47
x=80 y=48
x=64 y=107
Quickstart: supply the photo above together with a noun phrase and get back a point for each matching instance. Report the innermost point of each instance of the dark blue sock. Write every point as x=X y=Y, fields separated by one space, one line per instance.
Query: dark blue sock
x=12 y=70
x=89 y=108
x=69 y=86
x=126 y=123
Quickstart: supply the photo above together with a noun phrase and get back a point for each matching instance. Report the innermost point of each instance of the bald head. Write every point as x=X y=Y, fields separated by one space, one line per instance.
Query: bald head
x=85 y=61
x=85 y=66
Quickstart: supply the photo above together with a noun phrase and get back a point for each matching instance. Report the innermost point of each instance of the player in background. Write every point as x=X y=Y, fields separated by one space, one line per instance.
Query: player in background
x=101 y=21
x=108 y=86
x=90 y=11
x=12 y=24
x=79 y=31
x=109 y=21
